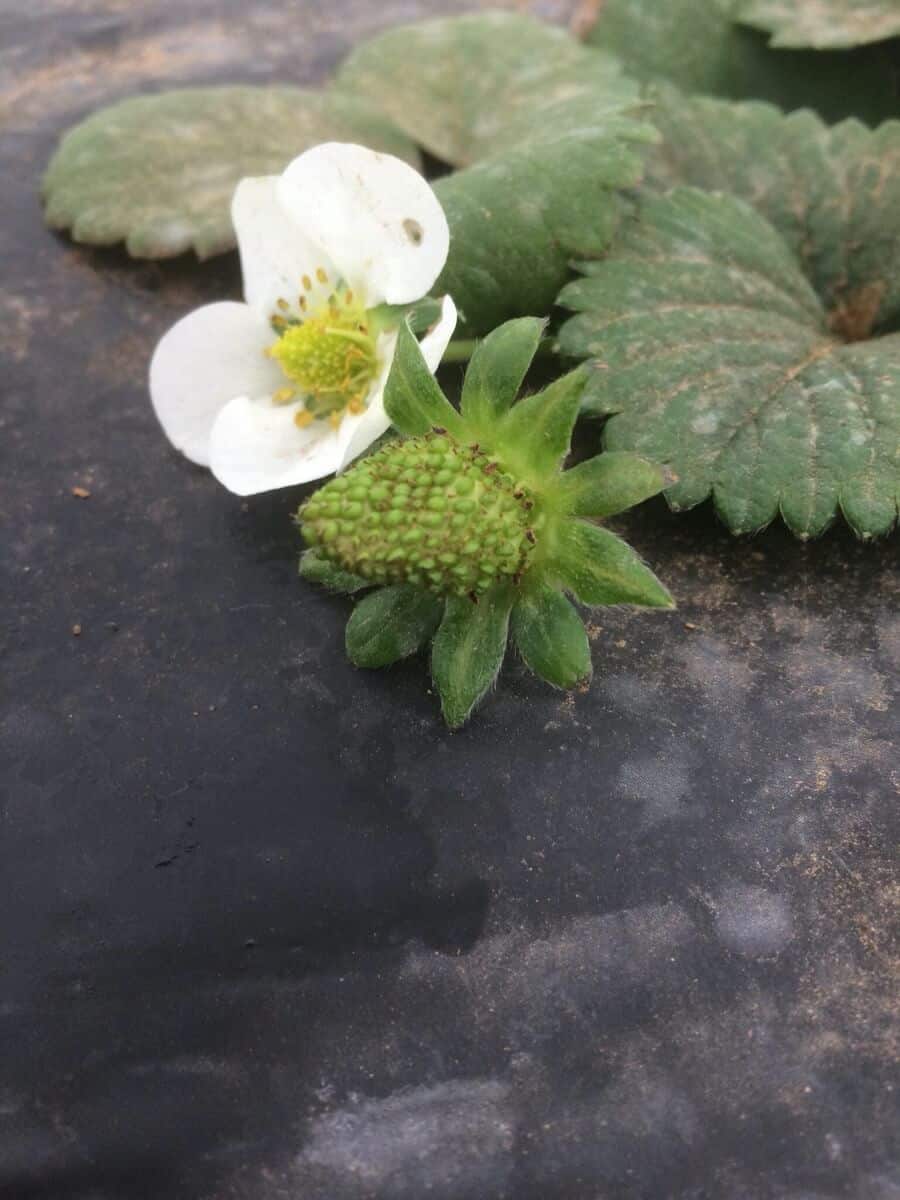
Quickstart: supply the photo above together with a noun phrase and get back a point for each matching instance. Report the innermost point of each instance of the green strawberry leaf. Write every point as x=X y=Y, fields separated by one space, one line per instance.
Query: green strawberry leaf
x=697 y=45
x=391 y=624
x=315 y=568
x=467 y=88
x=412 y=397
x=822 y=24
x=158 y=172
x=550 y=128
x=536 y=432
x=610 y=483
x=599 y=568
x=497 y=368
x=832 y=192
x=468 y=651
x=715 y=355
x=551 y=638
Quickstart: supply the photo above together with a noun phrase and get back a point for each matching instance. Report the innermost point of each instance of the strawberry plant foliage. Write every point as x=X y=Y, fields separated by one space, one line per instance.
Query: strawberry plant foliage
x=823 y=24
x=547 y=129
x=713 y=353
x=700 y=46
x=470 y=530
x=158 y=172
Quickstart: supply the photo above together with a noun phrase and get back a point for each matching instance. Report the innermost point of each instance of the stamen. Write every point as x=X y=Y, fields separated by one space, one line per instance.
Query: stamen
x=321 y=275
x=283 y=304
x=303 y=418
x=283 y=395
x=307 y=282
x=356 y=406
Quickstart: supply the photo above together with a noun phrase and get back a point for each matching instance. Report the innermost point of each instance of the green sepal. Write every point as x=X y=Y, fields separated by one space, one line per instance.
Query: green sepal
x=468 y=651
x=609 y=483
x=420 y=316
x=412 y=398
x=551 y=638
x=316 y=568
x=599 y=568
x=536 y=432
x=390 y=624
x=497 y=368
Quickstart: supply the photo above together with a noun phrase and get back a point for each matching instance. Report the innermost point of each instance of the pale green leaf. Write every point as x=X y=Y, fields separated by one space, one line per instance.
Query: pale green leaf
x=467 y=88
x=468 y=651
x=822 y=24
x=391 y=624
x=551 y=637
x=716 y=356
x=158 y=172
x=698 y=45
x=551 y=128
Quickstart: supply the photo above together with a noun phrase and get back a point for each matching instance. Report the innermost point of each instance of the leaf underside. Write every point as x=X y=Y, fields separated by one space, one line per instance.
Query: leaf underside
x=822 y=24
x=158 y=172
x=713 y=353
x=698 y=45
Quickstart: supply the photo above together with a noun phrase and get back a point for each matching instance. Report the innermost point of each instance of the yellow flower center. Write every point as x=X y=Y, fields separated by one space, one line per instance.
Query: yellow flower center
x=329 y=357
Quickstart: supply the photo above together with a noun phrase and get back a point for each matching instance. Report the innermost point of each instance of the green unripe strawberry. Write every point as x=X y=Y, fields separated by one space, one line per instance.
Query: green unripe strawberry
x=471 y=533
x=427 y=511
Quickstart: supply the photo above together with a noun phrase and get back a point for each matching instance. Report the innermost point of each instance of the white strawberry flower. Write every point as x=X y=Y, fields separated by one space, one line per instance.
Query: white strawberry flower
x=288 y=386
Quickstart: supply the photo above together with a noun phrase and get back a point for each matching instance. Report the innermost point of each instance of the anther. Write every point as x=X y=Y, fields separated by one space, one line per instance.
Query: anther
x=307 y=282
x=284 y=394
x=321 y=275
x=283 y=304
x=335 y=420
x=303 y=418
x=302 y=302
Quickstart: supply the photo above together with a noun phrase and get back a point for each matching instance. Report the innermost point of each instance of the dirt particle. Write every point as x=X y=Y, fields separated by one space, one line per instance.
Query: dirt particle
x=76 y=631
x=80 y=493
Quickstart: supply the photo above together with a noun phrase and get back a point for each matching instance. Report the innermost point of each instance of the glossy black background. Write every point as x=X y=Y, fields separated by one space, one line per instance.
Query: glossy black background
x=269 y=931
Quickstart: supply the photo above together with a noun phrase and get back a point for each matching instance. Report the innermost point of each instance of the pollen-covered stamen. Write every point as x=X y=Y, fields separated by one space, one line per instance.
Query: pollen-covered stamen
x=329 y=356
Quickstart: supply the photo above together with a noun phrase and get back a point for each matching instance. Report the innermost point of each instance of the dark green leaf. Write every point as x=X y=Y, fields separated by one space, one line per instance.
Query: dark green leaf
x=468 y=651
x=822 y=24
x=717 y=357
x=412 y=398
x=832 y=193
x=390 y=624
x=315 y=568
x=536 y=432
x=550 y=636
x=610 y=483
x=599 y=568
x=497 y=368
x=697 y=45
x=159 y=171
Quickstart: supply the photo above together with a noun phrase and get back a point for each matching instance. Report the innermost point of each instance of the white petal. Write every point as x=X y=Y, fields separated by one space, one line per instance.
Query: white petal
x=206 y=359
x=276 y=253
x=436 y=340
x=256 y=447
x=373 y=215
